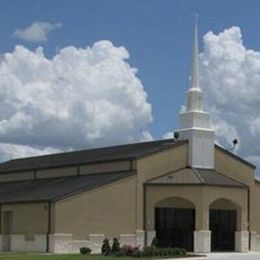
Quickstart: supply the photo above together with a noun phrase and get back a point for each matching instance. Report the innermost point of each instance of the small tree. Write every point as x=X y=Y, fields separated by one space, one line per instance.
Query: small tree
x=115 y=246
x=106 y=249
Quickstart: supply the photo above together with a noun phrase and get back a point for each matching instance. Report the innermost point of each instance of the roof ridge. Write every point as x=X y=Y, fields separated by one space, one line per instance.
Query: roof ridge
x=230 y=178
x=198 y=175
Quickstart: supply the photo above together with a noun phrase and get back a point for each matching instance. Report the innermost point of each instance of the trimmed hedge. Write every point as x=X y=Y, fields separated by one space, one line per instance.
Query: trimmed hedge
x=134 y=251
x=150 y=251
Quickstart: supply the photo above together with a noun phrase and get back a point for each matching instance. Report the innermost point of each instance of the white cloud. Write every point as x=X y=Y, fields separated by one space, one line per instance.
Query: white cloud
x=36 y=32
x=80 y=98
x=8 y=151
x=168 y=135
x=230 y=75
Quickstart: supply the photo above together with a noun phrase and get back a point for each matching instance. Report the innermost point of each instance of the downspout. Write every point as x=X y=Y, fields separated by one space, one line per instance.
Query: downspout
x=248 y=218
x=144 y=214
x=49 y=227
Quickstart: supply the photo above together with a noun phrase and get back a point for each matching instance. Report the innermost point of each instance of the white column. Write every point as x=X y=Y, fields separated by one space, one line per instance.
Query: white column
x=139 y=234
x=241 y=241
x=202 y=241
x=255 y=241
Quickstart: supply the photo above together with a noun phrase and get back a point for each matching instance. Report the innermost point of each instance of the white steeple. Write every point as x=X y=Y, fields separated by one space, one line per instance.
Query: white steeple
x=195 y=122
x=194 y=94
x=195 y=83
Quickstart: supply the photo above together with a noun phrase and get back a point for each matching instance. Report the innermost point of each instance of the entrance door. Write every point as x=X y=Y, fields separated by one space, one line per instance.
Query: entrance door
x=174 y=227
x=7 y=230
x=223 y=227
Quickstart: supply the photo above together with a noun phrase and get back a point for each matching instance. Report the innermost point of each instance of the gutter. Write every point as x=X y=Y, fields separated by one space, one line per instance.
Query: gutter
x=144 y=214
x=248 y=218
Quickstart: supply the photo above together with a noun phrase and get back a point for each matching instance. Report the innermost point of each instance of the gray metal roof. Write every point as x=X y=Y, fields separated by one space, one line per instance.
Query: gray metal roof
x=121 y=152
x=55 y=188
x=192 y=176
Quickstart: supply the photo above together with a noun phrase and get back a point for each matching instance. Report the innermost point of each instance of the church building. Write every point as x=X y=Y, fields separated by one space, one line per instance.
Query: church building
x=187 y=192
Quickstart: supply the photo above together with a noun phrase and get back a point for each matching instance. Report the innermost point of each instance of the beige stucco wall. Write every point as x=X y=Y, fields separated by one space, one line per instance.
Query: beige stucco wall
x=155 y=165
x=106 y=167
x=109 y=210
x=242 y=172
x=255 y=210
x=28 y=218
x=233 y=167
x=201 y=197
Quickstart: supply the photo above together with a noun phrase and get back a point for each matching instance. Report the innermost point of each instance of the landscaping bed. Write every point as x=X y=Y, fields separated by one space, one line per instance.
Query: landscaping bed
x=69 y=257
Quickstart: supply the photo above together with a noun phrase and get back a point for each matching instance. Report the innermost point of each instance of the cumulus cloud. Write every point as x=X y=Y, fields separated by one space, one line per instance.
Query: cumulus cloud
x=230 y=75
x=36 y=32
x=168 y=135
x=8 y=151
x=80 y=98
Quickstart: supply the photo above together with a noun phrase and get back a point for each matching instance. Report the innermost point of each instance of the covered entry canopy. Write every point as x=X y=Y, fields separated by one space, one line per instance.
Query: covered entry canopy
x=203 y=192
x=196 y=176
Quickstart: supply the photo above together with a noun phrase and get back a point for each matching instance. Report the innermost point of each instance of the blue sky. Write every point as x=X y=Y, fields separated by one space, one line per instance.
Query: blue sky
x=157 y=34
x=158 y=37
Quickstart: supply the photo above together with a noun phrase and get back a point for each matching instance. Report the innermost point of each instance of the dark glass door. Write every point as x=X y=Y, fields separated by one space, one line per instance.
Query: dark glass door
x=174 y=227
x=223 y=227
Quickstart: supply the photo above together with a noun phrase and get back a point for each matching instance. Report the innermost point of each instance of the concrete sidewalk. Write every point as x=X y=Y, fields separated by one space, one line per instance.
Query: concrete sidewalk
x=227 y=256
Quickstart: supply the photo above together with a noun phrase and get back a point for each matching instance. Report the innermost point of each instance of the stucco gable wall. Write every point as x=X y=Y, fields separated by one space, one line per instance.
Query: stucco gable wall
x=242 y=172
x=162 y=162
x=108 y=210
x=233 y=167
x=156 y=165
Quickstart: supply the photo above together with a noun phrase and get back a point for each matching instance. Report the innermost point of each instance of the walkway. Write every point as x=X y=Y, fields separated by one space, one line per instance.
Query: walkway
x=229 y=256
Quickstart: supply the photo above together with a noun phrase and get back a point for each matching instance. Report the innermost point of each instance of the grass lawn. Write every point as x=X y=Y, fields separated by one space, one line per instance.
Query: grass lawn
x=67 y=257
x=62 y=257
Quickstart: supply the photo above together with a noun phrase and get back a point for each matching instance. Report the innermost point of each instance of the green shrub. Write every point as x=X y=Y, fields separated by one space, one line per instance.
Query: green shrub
x=106 y=249
x=85 y=250
x=120 y=253
x=149 y=251
x=115 y=246
x=155 y=242
x=169 y=251
x=184 y=251
x=129 y=249
x=137 y=253
x=177 y=251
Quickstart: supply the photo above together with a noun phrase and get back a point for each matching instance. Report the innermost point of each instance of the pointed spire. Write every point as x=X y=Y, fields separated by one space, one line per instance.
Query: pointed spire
x=195 y=84
x=194 y=121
